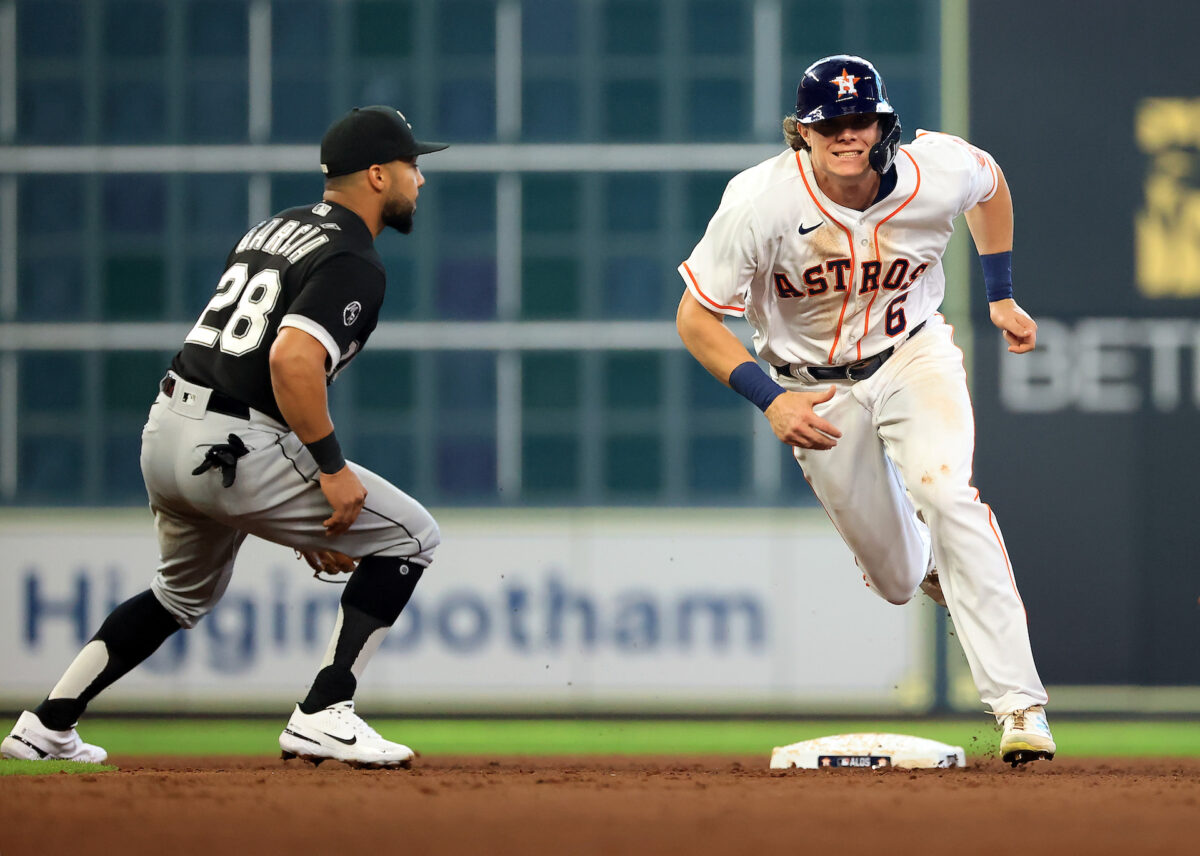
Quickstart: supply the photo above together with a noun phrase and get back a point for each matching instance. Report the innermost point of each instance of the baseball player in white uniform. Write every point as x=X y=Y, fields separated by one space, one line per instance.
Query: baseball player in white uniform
x=832 y=251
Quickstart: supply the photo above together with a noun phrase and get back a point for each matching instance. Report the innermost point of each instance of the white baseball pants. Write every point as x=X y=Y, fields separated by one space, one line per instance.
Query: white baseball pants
x=909 y=431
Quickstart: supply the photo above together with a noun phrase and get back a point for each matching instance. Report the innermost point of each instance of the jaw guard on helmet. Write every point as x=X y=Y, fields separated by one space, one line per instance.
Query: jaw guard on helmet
x=841 y=85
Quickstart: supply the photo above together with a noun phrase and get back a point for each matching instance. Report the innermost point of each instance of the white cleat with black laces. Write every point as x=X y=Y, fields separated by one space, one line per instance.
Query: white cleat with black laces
x=338 y=733
x=30 y=740
x=1026 y=736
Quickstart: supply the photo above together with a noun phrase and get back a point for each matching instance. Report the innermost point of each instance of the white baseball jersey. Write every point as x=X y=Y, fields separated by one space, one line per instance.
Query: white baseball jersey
x=821 y=284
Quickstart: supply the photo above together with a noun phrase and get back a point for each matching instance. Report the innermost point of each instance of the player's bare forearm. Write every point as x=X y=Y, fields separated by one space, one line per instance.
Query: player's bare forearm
x=707 y=338
x=298 y=379
x=991 y=222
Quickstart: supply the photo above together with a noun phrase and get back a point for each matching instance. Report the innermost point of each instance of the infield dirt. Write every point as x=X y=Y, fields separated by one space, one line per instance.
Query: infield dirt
x=594 y=805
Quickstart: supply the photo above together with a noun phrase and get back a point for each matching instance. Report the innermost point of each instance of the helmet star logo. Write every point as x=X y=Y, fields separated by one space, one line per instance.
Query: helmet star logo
x=845 y=83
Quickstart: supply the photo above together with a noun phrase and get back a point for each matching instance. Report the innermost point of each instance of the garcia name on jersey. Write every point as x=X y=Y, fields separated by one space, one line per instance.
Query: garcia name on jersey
x=313 y=268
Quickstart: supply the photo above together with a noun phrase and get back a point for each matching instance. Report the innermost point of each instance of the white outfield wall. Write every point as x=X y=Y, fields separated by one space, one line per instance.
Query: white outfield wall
x=697 y=611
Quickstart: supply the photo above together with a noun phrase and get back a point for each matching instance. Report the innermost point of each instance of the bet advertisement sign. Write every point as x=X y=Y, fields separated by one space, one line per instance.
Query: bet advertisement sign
x=1087 y=447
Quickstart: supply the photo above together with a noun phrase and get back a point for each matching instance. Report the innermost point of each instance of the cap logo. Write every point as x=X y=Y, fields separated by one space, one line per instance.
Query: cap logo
x=404 y=119
x=351 y=312
x=845 y=84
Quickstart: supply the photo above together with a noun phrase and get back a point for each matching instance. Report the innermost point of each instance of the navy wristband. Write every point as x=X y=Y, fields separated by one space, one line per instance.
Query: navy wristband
x=752 y=383
x=997 y=275
x=327 y=452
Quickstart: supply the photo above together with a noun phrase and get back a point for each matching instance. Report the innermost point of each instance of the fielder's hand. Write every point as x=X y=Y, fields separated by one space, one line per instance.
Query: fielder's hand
x=328 y=561
x=796 y=423
x=345 y=494
x=1020 y=331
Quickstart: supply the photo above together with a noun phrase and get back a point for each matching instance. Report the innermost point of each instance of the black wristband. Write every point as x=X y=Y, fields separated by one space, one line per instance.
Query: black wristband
x=327 y=452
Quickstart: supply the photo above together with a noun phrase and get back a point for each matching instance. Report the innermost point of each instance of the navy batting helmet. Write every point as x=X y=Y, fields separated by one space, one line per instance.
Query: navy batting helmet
x=842 y=84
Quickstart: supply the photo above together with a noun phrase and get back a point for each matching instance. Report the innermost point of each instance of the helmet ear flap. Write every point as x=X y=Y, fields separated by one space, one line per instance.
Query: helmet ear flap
x=884 y=152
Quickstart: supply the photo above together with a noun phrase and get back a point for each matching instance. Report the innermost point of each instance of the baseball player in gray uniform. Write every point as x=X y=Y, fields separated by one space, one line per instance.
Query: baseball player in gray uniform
x=832 y=252
x=240 y=442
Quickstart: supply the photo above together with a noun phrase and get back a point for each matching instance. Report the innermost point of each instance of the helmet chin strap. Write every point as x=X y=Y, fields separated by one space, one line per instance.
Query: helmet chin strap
x=884 y=152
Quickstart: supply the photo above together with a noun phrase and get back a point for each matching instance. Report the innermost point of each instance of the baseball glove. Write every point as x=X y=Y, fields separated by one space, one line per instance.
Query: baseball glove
x=327 y=562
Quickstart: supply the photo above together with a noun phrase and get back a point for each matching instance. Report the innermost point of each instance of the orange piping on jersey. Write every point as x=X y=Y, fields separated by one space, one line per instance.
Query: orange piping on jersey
x=991 y=517
x=705 y=296
x=853 y=264
x=867 y=319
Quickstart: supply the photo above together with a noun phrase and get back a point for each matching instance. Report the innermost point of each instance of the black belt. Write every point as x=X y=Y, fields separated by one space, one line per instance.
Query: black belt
x=860 y=370
x=218 y=402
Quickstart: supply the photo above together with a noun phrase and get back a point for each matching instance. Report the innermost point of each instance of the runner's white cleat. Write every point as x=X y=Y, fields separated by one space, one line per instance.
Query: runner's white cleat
x=340 y=734
x=1026 y=736
x=32 y=741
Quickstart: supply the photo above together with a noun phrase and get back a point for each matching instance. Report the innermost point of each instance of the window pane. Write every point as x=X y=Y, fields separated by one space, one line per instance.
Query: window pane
x=631 y=381
x=633 y=288
x=467 y=468
x=216 y=204
x=718 y=464
x=466 y=289
x=631 y=110
x=718 y=27
x=122 y=465
x=293 y=190
x=133 y=288
x=300 y=112
x=52 y=468
x=134 y=28
x=466 y=205
x=52 y=288
x=134 y=112
x=633 y=202
x=51 y=205
x=51 y=111
x=631 y=465
x=383 y=28
x=550 y=288
x=812 y=29
x=466 y=28
x=50 y=29
x=384 y=382
x=718 y=109
x=550 y=110
x=549 y=28
x=401 y=301
x=130 y=380
x=135 y=204
x=550 y=464
x=51 y=383
x=390 y=454
x=894 y=26
x=217 y=111
x=703 y=192
x=631 y=28
x=706 y=393
x=550 y=203
x=299 y=30
x=218 y=28
x=550 y=380
x=467 y=110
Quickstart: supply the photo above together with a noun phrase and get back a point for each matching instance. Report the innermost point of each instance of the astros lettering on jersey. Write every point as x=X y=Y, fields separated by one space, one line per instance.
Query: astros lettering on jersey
x=821 y=284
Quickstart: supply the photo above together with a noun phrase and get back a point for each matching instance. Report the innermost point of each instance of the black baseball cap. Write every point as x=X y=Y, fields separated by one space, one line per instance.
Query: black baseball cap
x=370 y=135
